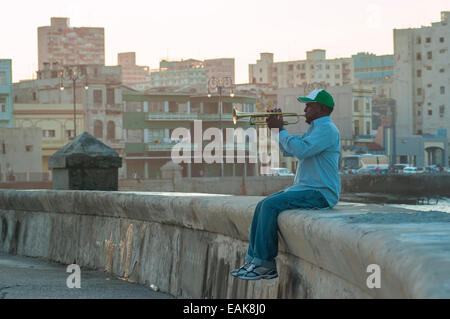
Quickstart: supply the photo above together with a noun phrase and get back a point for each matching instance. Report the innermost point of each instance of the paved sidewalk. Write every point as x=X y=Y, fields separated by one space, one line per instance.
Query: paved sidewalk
x=35 y=278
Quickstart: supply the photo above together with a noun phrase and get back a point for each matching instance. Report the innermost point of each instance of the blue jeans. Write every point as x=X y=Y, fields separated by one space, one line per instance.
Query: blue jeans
x=263 y=243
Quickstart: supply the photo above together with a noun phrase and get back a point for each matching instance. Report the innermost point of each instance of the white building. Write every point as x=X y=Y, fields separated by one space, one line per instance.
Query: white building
x=421 y=81
x=302 y=73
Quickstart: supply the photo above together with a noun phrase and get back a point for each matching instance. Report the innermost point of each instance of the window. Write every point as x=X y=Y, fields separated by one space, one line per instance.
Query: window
x=419 y=113
x=48 y=133
x=110 y=100
x=3 y=108
x=419 y=40
x=419 y=73
x=356 y=127
x=442 y=89
x=418 y=57
x=368 y=128
x=298 y=66
x=428 y=40
x=367 y=107
x=3 y=78
x=111 y=130
x=442 y=70
x=356 y=106
x=430 y=112
x=69 y=134
x=419 y=91
x=429 y=85
x=441 y=110
x=442 y=50
x=441 y=39
x=2 y=104
x=429 y=55
x=337 y=76
x=98 y=98
x=290 y=67
x=260 y=70
x=98 y=129
x=28 y=148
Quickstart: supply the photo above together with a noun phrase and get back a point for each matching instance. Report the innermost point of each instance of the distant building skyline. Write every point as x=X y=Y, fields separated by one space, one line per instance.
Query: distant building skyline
x=184 y=31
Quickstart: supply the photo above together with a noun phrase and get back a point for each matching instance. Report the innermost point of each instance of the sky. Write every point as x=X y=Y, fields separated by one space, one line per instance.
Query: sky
x=206 y=29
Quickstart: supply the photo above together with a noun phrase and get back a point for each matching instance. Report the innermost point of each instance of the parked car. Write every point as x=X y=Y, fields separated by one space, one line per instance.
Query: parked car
x=398 y=168
x=431 y=169
x=281 y=171
x=410 y=170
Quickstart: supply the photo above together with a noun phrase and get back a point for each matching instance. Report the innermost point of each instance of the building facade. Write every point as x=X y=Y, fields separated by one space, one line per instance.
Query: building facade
x=421 y=83
x=316 y=69
x=131 y=73
x=20 y=154
x=69 y=45
x=188 y=73
x=98 y=97
x=54 y=123
x=6 y=94
x=151 y=117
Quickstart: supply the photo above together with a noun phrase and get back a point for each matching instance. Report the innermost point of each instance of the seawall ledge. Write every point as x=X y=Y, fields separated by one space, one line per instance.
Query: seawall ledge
x=410 y=247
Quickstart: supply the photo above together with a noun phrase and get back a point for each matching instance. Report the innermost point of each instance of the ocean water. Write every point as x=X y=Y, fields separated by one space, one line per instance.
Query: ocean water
x=442 y=205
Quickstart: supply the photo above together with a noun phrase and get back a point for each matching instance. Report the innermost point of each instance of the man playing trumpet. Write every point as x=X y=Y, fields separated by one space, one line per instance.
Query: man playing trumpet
x=316 y=185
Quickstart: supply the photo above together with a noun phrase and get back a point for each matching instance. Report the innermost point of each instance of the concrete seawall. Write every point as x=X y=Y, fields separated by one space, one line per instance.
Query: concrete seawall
x=419 y=185
x=188 y=243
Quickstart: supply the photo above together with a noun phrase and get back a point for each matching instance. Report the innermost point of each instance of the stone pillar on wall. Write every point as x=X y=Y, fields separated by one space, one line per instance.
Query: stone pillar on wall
x=85 y=164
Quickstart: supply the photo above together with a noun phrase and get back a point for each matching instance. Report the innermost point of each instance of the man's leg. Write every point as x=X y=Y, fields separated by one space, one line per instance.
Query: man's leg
x=265 y=237
x=254 y=227
x=249 y=255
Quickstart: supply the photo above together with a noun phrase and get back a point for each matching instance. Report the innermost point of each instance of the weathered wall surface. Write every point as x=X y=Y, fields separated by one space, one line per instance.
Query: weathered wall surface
x=188 y=243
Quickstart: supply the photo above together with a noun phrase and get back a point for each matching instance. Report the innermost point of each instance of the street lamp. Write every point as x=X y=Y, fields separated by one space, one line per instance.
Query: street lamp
x=73 y=75
x=219 y=84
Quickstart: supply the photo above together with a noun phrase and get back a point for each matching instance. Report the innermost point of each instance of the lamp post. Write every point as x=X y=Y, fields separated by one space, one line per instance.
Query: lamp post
x=218 y=85
x=72 y=75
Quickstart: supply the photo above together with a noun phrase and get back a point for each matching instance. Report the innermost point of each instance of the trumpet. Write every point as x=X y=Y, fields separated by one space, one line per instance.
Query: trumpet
x=254 y=121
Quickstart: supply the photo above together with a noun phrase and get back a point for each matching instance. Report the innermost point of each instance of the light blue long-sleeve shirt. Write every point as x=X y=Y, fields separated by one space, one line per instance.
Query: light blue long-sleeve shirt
x=318 y=152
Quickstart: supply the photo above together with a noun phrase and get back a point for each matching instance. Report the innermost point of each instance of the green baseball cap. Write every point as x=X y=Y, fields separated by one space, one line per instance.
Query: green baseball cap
x=318 y=96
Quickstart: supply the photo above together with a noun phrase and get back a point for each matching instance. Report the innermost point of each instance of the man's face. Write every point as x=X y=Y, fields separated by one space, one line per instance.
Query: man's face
x=313 y=111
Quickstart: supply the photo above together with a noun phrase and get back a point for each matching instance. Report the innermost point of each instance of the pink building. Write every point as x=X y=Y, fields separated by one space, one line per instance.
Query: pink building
x=131 y=73
x=69 y=46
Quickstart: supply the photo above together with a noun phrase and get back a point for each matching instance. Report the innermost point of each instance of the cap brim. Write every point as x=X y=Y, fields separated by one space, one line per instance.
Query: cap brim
x=304 y=99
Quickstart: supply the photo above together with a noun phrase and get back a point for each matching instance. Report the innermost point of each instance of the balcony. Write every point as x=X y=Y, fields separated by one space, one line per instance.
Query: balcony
x=113 y=107
x=215 y=117
x=165 y=146
x=171 y=116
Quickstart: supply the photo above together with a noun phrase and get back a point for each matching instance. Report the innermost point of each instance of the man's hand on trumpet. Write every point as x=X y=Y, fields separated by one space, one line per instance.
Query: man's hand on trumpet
x=276 y=120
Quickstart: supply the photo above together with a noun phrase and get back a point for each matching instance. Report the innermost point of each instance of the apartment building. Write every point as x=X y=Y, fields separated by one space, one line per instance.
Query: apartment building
x=421 y=83
x=150 y=117
x=6 y=94
x=315 y=70
x=68 y=45
x=189 y=73
x=131 y=73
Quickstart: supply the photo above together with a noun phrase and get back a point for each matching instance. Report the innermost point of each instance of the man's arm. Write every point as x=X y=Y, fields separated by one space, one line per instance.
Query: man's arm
x=304 y=147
